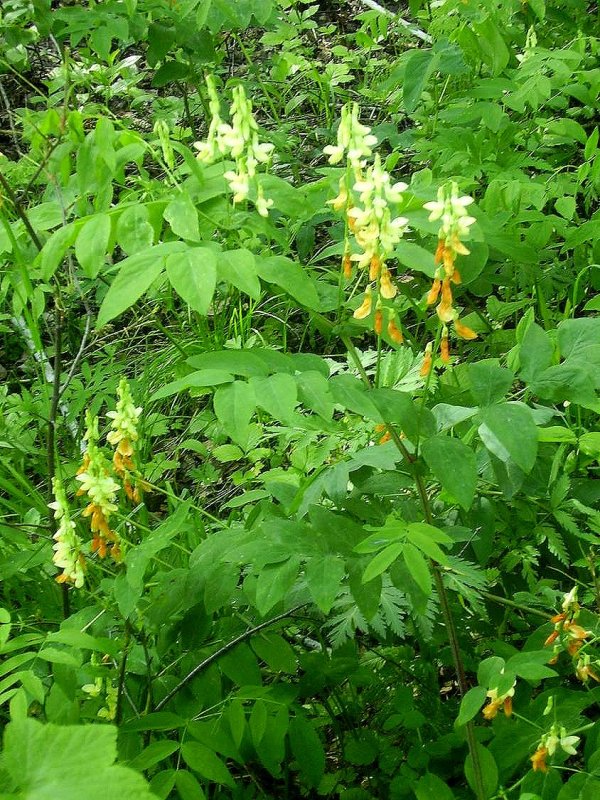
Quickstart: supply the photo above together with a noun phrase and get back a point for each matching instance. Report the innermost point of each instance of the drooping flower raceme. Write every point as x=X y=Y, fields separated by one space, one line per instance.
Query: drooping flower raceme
x=123 y=435
x=67 y=548
x=354 y=139
x=101 y=489
x=239 y=141
x=450 y=209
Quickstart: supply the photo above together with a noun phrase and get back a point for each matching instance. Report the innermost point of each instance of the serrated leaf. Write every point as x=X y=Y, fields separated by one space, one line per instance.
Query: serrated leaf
x=54 y=761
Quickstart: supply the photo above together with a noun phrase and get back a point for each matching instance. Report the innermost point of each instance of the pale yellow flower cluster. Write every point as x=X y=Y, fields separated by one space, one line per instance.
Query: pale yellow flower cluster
x=365 y=194
x=101 y=489
x=67 y=548
x=239 y=141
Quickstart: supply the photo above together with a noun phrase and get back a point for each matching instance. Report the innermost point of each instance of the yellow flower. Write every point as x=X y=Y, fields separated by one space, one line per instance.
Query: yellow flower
x=365 y=308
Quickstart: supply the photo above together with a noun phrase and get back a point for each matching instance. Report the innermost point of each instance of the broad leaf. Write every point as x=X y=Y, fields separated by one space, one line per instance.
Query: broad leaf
x=509 y=432
x=193 y=275
x=454 y=465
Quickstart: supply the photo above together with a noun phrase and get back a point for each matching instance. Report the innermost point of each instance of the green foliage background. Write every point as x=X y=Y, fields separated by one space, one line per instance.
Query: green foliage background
x=300 y=610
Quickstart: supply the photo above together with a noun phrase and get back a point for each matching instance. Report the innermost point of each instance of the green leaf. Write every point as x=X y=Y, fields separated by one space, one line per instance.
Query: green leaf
x=275 y=652
x=531 y=665
x=489 y=382
x=274 y=582
x=415 y=257
x=419 y=66
x=92 y=243
x=5 y=626
x=238 y=267
x=589 y=443
x=182 y=216
x=154 y=754
x=418 y=533
x=193 y=275
x=277 y=395
x=45 y=761
x=291 y=277
x=313 y=391
x=324 y=575
x=454 y=465
x=382 y=561
x=170 y=72
x=187 y=786
x=195 y=380
x=54 y=250
x=430 y=786
x=489 y=771
x=509 y=432
x=307 y=750
x=535 y=352
x=234 y=405
x=136 y=274
x=418 y=568
x=470 y=704
x=206 y=763
x=134 y=231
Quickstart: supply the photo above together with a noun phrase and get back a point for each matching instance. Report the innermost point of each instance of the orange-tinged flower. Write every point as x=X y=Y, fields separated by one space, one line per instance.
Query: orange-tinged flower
x=427 y=362
x=459 y=247
x=394 y=332
x=347 y=266
x=434 y=292
x=551 y=639
x=378 y=323
x=449 y=257
x=445 y=311
x=508 y=709
x=439 y=253
x=351 y=222
x=456 y=276
x=374 y=268
x=445 y=349
x=386 y=287
x=365 y=308
x=584 y=671
x=446 y=291
x=492 y=708
x=538 y=760
x=463 y=330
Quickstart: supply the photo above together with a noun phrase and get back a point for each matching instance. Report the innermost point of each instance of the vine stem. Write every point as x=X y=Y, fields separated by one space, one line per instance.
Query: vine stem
x=439 y=583
x=222 y=651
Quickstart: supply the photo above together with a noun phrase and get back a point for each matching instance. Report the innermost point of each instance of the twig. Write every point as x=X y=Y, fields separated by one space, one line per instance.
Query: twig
x=222 y=651
x=424 y=37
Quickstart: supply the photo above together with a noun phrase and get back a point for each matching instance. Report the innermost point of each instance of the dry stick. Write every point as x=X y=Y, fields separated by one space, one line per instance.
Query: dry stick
x=424 y=37
x=222 y=651
x=439 y=584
